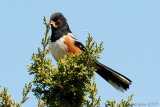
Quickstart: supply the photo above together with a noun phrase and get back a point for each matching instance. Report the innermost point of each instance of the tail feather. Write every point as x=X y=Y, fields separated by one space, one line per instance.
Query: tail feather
x=116 y=79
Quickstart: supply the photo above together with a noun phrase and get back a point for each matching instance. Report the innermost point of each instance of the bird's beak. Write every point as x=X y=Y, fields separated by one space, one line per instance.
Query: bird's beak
x=53 y=24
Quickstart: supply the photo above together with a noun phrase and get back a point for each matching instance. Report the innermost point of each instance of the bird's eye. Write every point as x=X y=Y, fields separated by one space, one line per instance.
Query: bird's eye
x=58 y=20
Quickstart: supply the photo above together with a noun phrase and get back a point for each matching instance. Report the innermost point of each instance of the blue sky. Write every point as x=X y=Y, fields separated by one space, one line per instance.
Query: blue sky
x=130 y=30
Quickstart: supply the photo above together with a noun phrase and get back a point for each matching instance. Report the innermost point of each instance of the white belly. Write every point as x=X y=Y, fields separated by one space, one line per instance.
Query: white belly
x=58 y=49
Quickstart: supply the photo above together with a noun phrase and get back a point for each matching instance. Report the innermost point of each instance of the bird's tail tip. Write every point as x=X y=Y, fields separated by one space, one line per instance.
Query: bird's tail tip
x=117 y=80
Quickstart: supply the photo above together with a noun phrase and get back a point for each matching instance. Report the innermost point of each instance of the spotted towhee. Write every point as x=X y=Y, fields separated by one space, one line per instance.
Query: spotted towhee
x=63 y=41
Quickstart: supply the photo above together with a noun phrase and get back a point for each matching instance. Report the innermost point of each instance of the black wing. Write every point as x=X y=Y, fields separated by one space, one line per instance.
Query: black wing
x=77 y=43
x=80 y=45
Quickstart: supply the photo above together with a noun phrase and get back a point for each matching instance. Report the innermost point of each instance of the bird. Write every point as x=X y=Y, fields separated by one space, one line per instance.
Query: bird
x=63 y=41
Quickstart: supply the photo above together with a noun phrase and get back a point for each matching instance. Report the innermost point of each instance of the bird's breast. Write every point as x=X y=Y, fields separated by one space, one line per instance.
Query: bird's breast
x=58 y=48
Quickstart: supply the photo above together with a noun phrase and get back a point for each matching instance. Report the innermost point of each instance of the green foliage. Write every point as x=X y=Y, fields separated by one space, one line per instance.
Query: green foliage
x=93 y=48
x=6 y=100
x=92 y=95
x=25 y=92
x=124 y=103
x=41 y=103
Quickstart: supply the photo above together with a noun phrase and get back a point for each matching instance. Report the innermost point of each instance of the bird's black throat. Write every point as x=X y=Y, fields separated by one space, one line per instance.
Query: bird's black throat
x=59 y=32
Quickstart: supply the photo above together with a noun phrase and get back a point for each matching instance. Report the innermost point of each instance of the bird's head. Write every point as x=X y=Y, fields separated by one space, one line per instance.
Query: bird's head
x=58 y=21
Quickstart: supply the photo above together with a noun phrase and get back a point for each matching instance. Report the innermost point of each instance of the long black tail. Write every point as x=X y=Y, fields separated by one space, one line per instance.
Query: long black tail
x=116 y=79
